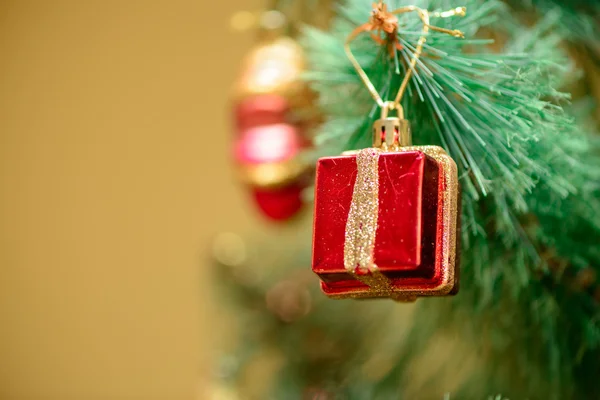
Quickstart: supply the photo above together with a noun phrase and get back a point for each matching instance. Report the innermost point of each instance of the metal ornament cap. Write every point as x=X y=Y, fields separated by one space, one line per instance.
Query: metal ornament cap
x=391 y=133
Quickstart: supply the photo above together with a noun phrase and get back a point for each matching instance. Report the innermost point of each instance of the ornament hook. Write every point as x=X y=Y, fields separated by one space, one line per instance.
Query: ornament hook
x=383 y=20
x=391 y=106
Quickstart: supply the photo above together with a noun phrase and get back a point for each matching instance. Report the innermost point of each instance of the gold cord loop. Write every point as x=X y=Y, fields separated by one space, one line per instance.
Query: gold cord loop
x=390 y=106
x=424 y=15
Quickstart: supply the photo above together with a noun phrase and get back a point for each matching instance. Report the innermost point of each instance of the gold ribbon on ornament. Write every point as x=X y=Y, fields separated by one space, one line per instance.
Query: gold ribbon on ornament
x=361 y=225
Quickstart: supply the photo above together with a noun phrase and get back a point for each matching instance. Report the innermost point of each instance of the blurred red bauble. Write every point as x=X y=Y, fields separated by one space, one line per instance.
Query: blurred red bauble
x=266 y=153
x=267 y=143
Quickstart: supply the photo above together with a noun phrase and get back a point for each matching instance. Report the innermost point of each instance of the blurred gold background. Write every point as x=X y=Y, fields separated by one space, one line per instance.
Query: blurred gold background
x=114 y=145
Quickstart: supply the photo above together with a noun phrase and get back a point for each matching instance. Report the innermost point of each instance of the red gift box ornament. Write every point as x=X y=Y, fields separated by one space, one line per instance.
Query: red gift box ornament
x=386 y=218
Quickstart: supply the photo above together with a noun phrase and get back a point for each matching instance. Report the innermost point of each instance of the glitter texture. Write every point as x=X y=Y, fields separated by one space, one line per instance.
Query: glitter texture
x=361 y=226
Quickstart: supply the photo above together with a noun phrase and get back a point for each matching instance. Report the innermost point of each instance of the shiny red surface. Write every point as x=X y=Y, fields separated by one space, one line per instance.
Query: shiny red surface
x=408 y=221
x=279 y=204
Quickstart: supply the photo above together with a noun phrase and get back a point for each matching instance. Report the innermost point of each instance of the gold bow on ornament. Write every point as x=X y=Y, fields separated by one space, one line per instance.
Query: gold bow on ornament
x=386 y=21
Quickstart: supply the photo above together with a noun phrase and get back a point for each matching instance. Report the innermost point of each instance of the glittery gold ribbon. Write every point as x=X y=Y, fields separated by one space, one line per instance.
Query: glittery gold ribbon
x=361 y=225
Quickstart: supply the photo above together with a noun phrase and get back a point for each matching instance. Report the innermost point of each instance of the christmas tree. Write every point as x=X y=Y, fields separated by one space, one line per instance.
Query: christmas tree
x=514 y=104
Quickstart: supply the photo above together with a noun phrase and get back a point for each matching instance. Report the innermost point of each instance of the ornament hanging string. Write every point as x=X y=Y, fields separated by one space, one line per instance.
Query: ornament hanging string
x=387 y=21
